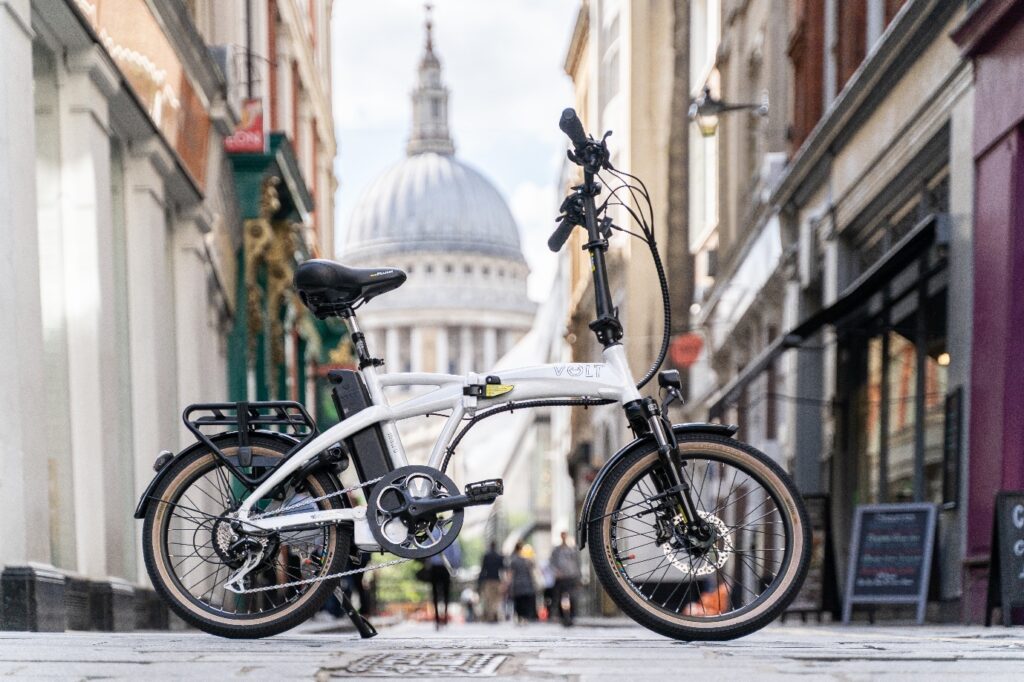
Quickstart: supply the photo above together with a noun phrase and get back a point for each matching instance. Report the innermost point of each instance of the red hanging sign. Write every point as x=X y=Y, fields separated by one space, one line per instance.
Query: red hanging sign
x=248 y=137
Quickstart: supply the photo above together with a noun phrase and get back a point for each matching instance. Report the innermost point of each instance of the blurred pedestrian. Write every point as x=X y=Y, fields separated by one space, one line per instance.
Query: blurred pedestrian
x=492 y=569
x=469 y=600
x=522 y=589
x=441 y=580
x=565 y=562
x=547 y=600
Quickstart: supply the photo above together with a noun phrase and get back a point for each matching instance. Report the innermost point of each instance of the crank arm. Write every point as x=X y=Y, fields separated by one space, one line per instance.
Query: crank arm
x=478 y=493
x=424 y=509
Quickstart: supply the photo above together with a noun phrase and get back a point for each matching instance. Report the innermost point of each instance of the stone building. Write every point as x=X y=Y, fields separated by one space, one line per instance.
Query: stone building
x=833 y=245
x=443 y=223
x=123 y=215
x=621 y=58
x=463 y=309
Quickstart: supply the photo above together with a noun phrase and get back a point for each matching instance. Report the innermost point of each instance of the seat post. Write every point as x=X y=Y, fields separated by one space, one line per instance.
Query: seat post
x=359 y=340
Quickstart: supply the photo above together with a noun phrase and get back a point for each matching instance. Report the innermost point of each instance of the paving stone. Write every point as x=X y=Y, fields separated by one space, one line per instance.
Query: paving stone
x=537 y=652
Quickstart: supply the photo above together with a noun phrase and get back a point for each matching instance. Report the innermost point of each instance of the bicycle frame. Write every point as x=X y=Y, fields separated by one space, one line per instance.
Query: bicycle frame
x=609 y=380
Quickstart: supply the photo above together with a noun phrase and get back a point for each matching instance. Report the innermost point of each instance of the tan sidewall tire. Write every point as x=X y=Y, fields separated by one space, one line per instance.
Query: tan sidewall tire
x=624 y=595
x=183 y=604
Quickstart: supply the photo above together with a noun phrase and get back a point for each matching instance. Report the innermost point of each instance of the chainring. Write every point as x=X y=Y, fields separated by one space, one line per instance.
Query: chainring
x=394 y=529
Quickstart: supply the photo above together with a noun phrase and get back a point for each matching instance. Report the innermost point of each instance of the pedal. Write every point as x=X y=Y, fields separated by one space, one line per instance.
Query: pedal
x=485 y=491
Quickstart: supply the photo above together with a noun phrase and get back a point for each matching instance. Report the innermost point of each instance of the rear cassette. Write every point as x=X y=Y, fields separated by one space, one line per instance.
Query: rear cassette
x=392 y=522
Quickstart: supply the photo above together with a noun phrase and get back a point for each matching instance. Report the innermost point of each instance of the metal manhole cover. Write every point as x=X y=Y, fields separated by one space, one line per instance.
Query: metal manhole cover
x=427 y=664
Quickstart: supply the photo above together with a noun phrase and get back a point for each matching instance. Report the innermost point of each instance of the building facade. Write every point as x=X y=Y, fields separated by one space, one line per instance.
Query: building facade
x=623 y=59
x=125 y=217
x=835 y=283
x=444 y=224
x=463 y=309
x=990 y=37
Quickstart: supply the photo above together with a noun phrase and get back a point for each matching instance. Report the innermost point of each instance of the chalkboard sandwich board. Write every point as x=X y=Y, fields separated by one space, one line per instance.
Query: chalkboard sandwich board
x=819 y=591
x=1006 y=567
x=890 y=556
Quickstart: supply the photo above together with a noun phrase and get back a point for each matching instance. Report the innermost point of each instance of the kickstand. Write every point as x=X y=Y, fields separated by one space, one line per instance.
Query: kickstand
x=365 y=628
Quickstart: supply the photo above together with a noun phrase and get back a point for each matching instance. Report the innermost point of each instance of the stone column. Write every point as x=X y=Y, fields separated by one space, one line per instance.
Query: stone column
x=152 y=351
x=415 y=349
x=466 y=350
x=24 y=443
x=392 y=361
x=490 y=349
x=441 y=350
x=195 y=348
x=89 y=283
x=54 y=312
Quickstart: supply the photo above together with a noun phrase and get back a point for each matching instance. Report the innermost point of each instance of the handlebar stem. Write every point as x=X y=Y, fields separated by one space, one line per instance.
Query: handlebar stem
x=606 y=327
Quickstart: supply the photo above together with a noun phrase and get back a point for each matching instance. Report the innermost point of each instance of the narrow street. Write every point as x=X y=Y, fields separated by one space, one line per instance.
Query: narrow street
x=542 y=652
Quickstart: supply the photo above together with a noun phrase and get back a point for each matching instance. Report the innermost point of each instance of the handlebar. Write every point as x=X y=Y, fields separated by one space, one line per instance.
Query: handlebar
x=560 y=235
x=570 y=125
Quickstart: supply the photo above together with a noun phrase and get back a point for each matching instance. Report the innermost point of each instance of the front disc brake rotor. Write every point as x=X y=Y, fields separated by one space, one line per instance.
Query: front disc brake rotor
x=393 y=527
x=704 y=561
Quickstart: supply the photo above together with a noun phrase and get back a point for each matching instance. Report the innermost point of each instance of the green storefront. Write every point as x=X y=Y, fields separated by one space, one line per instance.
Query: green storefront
x=277 y=350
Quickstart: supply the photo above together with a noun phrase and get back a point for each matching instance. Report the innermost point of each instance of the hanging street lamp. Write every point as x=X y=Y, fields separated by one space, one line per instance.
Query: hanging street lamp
x=705 y=110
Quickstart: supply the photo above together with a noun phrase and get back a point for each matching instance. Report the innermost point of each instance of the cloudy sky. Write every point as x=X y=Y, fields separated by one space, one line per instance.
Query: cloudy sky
x=502 y=62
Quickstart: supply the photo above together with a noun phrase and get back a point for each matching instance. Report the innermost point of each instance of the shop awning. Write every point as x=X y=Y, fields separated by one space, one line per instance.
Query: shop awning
x=920 y=237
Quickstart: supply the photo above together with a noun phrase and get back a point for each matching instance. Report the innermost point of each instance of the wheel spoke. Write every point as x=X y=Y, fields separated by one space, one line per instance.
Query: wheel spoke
x=693 y=576
x=201 y=551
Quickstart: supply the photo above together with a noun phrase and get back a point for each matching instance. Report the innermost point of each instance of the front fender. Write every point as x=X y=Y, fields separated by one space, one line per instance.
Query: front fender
x=230 y=437
x=726 y=430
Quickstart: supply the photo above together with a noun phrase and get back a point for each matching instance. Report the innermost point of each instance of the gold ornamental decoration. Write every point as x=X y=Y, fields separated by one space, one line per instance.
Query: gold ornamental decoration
x=269 y=247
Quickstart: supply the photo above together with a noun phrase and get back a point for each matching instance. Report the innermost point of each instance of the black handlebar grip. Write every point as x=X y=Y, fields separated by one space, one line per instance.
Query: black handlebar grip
x=571 y=126
x=557 y=239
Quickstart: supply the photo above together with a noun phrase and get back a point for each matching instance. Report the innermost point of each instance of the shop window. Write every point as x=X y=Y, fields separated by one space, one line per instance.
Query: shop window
x=806 y=53
x=893 y=382
x=851 y=38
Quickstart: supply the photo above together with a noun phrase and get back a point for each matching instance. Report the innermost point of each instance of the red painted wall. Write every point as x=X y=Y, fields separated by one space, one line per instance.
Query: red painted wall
x=996 y=460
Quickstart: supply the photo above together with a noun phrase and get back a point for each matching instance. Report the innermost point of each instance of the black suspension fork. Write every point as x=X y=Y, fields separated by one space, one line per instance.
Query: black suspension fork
x=645 y=416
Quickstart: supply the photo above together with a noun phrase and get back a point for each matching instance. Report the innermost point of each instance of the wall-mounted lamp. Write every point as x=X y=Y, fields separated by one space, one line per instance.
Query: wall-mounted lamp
x=705 y=110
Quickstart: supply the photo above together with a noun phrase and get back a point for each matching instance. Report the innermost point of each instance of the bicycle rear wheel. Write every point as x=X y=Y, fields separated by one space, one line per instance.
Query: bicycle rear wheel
x=191 y=550
x=689 y=588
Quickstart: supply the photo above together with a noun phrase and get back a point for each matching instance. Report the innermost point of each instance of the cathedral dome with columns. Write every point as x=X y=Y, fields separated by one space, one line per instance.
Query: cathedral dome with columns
x=443 y=223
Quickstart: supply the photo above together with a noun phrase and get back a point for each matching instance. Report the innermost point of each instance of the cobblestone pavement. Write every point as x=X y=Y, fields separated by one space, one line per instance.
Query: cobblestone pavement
x=542 y=652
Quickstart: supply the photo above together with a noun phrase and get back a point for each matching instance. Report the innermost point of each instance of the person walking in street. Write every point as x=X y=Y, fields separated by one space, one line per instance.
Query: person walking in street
x=522 y=589
x=441 y=580
x=565 y=561
x=492 y=569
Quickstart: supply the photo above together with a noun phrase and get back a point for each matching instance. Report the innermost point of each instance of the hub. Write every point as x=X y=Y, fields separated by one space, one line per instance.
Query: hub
x=697 y=553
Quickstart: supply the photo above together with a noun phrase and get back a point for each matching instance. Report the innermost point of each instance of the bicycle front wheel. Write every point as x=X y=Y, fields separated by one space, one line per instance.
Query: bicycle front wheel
x=701 y=588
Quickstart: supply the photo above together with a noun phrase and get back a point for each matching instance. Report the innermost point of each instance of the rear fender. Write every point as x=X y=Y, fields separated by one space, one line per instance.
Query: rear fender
x=726 y=430
x=227 y=438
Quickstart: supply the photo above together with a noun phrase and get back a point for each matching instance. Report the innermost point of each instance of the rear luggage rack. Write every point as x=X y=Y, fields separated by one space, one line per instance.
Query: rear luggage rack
x=282 y=417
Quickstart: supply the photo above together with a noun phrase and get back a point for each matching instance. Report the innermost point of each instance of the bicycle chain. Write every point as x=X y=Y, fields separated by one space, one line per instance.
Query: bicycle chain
x=321 y=578
x=332 y=576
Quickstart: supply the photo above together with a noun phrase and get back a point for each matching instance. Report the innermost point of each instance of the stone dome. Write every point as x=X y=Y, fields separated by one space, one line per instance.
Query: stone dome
x=433 y=202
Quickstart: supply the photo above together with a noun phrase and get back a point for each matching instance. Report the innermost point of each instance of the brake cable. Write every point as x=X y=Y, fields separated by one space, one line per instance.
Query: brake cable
x=652 y=245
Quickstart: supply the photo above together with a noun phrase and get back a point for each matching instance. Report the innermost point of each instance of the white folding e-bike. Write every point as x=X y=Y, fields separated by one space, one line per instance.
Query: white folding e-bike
x=248 y=531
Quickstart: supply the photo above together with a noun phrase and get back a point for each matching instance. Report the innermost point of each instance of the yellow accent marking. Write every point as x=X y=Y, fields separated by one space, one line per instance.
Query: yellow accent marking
x=494 y=390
